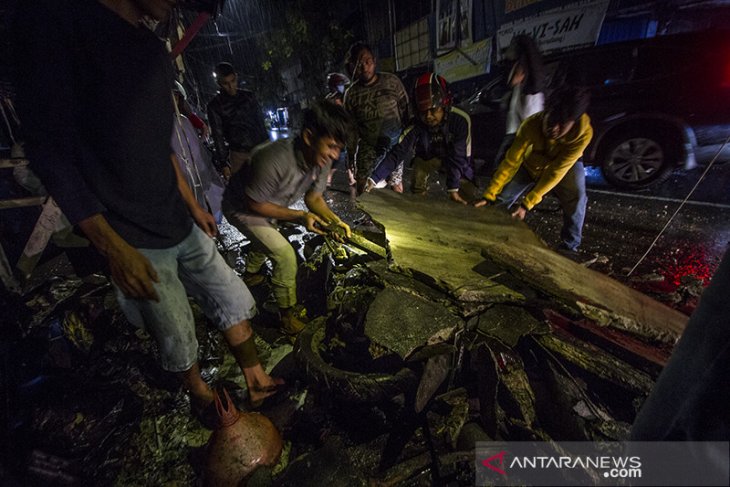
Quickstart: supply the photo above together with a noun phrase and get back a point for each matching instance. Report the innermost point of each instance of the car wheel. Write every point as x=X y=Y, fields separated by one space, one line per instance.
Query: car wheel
x=637 y=160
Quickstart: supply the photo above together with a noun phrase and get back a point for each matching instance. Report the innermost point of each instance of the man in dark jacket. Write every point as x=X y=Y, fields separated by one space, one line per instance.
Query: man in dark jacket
x=118 y=180
x=236 y=120
x=440 y=137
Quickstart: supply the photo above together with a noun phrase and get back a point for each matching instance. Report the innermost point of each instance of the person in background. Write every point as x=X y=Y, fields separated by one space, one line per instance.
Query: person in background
x=117 y=180
x=236 y=121
x=378 y=104
x=260 y=196
x=526 y=80
x=194 y=161
x=337 y=84
x=440 y=137
x=545 y=156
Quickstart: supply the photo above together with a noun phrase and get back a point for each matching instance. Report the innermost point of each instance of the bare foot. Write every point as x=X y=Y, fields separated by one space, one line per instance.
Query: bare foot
x=266 y=388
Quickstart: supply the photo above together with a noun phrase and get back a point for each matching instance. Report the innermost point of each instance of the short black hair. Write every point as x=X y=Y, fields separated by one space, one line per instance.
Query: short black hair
x=566 y=104
x=224 y=69
x=327 y=119
x=353 y=53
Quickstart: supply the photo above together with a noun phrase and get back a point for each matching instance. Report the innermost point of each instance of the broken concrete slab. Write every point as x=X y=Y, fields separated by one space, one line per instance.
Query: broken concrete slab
x=443 y=240
x=424 y=233
x=401 y=321
x=509 y=323
x=592 y=294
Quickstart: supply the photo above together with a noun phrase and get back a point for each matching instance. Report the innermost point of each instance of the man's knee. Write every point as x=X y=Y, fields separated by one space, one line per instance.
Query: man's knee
x=285 y=259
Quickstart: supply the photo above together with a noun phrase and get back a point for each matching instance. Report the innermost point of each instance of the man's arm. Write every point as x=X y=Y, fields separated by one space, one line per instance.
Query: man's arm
x=557 y=168
x=131 y=271
x=271 y=210
x=457 y=161
x=512 y=159
x=216 y=131
x=403 y=105
x=402 y=151
x=203 y=218
x=316 y=203
x=43 y=32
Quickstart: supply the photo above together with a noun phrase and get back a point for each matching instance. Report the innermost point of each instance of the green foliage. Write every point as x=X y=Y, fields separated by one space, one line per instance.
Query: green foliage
x=312 y=37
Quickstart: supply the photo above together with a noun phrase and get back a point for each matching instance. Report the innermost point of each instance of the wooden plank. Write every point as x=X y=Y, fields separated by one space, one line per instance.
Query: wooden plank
x=22 y=202
x=11 y=163
x=48 y=223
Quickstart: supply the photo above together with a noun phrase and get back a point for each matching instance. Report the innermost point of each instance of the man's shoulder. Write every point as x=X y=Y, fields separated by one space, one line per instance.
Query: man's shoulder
x=390 y=79
x=458 y=116
x=533 y=123
x=214 y=102
x=246 y=95
x=275 y=152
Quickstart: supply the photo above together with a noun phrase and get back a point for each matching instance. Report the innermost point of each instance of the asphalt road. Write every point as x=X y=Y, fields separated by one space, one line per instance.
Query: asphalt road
x=623 y=226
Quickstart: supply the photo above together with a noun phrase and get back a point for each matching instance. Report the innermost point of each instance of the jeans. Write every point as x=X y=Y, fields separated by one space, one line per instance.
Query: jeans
x=571 y=193
x=193 y=267
x=267 y=241
x=422 y=169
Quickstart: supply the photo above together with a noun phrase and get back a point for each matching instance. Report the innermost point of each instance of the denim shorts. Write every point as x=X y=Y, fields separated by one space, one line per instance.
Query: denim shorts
x=193 y=267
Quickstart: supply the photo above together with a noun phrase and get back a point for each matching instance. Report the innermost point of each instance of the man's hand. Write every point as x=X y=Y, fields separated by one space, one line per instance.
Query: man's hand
x=369 y=185
x=205 y=221
x=313 y=223
x=519 y=213
x=340 y=230
x=132 y=272
x=483 y=202
x=454 y=196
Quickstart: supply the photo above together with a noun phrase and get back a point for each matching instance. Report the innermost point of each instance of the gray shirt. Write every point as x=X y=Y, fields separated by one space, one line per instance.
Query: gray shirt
x=277 y=174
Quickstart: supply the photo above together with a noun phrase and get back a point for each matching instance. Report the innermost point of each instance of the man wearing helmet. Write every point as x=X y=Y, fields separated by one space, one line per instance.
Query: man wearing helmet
x=378 y=104
x=440 y=137
x=337 y=83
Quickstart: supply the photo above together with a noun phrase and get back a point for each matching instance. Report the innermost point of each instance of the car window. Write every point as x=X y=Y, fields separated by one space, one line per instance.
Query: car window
x=660 y=61
x=494 y=91
x=596 y=68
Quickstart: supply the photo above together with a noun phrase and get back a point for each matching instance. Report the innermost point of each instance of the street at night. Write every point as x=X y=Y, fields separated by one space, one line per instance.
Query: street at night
x=364 y=243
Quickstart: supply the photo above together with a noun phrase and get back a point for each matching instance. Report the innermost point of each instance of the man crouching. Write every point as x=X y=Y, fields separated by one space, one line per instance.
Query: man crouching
x=280 y=173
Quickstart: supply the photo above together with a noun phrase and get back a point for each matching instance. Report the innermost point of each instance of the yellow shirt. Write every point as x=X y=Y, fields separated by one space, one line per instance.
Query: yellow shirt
x=546 y=160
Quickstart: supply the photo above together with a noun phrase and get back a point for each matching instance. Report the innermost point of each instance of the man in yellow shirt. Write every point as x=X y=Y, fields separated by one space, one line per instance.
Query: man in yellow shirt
x=545 y=156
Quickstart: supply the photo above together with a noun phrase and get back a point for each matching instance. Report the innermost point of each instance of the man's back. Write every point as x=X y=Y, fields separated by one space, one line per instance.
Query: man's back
x=100 y=139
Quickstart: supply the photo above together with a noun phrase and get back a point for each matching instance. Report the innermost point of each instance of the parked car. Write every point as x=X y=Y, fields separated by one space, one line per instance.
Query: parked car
x=656 y=104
